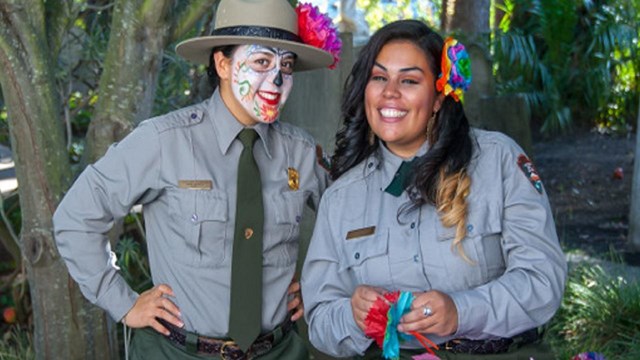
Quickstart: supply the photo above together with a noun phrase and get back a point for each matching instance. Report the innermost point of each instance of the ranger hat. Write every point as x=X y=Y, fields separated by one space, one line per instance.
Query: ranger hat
x=263 y=22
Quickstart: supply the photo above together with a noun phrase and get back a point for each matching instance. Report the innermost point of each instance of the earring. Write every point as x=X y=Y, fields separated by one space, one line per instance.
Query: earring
x=430 y=126
x=372 y=137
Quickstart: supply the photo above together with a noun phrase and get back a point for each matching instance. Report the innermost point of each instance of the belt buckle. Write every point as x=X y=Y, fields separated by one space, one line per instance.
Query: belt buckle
x=451 y=344
x=224 y=355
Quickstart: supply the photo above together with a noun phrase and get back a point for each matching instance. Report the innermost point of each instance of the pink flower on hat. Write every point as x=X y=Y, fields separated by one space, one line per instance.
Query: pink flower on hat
x=316 y=29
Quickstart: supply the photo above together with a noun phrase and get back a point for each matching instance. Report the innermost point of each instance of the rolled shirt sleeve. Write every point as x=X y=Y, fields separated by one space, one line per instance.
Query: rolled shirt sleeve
x=104 y=192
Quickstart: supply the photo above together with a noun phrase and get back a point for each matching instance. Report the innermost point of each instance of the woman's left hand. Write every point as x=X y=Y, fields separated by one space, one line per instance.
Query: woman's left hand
x=443 y=317
x=295 y=304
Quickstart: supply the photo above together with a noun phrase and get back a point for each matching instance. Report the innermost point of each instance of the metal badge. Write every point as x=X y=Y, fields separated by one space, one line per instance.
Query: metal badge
x=294 y=179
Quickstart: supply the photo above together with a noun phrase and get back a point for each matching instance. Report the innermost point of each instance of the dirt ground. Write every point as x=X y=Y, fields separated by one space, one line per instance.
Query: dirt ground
x=589 y=198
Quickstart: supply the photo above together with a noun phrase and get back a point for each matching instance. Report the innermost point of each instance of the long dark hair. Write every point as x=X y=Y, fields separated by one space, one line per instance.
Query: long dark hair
x=451 y=146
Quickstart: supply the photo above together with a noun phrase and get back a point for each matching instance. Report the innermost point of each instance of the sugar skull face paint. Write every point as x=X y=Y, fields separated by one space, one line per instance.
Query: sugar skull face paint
x=262 y=80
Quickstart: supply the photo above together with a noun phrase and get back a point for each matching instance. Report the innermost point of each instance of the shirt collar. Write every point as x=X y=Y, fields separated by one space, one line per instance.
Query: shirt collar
x=390 y=162
x=228 y=127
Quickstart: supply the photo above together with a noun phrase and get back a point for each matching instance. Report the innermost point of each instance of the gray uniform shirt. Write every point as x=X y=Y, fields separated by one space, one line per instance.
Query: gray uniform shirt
x=515 y=283
x=189 y=224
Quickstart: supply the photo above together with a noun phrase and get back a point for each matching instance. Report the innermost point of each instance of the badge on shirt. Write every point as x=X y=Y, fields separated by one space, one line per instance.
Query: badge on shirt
x=294 y=179
x=195 y=184
x=357 y=233
x=530 y=172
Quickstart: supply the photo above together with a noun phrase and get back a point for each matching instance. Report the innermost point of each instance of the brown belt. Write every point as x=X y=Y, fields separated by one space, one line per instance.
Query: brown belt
x=225 y=348
x=496 y=346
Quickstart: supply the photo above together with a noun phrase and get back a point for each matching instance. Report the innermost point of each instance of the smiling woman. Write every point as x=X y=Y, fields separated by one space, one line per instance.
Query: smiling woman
x=449 y=226
x=400 y=97
x=261 y=80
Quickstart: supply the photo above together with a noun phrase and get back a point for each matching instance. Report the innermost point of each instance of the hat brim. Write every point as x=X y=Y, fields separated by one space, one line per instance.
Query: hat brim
x=198 y=50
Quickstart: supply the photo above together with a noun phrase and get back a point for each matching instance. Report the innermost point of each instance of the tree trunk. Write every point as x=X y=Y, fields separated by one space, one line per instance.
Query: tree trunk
x=468 y=16
x=634 y=216
x=140 y=31
x=128 y=82
x=66 y=326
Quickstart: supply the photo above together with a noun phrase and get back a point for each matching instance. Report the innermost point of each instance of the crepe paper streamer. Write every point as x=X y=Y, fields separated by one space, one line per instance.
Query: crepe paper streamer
x=456 y=70
x=382 y=324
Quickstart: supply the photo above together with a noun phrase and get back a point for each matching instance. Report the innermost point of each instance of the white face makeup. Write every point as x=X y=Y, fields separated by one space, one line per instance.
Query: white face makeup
x=262 y=80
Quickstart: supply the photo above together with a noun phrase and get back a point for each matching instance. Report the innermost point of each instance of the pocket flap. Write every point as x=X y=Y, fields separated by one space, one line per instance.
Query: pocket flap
x=210 y=205
x=356 y=251
x=289 y=207
x=483 y=221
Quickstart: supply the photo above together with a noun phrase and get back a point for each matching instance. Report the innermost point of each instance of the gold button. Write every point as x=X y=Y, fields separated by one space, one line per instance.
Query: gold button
x=248 y=233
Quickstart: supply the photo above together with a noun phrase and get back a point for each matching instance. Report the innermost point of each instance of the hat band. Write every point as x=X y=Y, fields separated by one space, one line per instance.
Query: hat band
x=257 y=31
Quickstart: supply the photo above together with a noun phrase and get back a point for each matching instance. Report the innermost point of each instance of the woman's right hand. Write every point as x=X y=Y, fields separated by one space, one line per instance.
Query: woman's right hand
x=153 y=304
x=362 y=300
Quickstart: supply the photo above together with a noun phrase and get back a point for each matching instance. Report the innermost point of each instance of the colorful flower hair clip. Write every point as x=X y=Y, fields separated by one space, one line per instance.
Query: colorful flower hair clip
x=316 y=29
x=456 y=70
x=382 y=321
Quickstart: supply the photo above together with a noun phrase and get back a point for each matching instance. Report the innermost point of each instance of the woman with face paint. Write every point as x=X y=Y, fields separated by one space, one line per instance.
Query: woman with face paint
x=433 y=233
x=223 y=184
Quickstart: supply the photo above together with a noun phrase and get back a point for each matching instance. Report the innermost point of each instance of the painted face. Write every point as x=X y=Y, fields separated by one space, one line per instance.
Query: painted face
x=400 y=97
x=262 y=80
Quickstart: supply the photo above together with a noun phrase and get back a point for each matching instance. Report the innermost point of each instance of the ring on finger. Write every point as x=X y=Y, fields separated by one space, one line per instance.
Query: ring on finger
x=426 y=311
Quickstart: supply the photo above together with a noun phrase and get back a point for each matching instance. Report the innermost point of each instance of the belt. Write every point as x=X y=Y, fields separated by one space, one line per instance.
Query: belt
x=496 y=346
x=225 y=348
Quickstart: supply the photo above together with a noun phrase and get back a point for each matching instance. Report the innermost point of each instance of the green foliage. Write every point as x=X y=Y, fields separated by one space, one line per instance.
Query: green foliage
x=132 y=254
x=571 y=59
x=4 y=126
x=133 y=263
x=598 y=313
x=16 y=344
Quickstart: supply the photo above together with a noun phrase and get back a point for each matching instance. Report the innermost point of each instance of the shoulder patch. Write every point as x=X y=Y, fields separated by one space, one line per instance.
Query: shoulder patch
x=323 y=159
x=530 y=172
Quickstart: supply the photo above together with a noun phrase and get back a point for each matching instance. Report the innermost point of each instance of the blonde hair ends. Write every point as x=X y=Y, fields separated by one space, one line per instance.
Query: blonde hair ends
x=453 y=190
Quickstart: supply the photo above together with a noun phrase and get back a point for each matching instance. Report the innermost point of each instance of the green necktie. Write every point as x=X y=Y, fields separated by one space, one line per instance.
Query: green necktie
x=400 y=179
x=245 y=319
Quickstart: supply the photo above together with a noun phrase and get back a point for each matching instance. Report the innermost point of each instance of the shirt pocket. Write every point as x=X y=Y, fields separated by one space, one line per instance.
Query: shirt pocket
x=367 y=259
x=203 y=214
x=281 y=240
x=482 y=245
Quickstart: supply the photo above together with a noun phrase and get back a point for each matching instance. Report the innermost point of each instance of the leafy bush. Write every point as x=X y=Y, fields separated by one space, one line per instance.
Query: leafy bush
x=599 y=313
x=574 y=60
x=16 y=344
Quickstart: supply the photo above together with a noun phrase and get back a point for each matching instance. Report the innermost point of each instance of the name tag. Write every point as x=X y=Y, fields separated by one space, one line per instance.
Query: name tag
x=353 y=234
x=195 y=184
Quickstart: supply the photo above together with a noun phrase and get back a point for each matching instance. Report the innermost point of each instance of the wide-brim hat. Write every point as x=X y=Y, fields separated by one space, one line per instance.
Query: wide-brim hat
x=263 y=22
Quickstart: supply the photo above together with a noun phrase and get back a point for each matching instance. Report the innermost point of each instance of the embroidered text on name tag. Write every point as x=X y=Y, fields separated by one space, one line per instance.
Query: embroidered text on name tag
x=195 y=184
x=353 y=234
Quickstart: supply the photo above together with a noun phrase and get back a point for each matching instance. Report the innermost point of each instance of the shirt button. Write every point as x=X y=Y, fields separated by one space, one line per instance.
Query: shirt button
x=194 y=218
x=298 y=218
x=370 y=165
x=469 y=228
x=357 y=256
x=413 y=225
x=416 y=258
x=194 y=115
